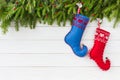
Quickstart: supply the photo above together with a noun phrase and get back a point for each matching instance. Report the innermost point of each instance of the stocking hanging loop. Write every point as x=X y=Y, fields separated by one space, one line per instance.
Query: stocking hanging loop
x=99 y=22
x=79 y=7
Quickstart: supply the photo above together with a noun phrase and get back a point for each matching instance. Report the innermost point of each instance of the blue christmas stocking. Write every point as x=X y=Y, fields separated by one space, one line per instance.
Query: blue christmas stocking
x=73 y=38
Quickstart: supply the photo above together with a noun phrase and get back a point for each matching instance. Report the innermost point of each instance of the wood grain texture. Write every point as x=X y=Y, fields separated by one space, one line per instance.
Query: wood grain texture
x=45 y=46
x=52 y=60
x=58 y=73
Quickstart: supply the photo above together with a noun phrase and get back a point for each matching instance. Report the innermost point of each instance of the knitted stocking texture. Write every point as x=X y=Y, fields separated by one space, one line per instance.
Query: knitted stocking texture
x=96 y=53
x=73 y=38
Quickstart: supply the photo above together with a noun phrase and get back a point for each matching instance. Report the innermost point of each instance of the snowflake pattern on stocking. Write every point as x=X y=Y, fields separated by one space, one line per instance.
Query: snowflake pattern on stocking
x=102 y=35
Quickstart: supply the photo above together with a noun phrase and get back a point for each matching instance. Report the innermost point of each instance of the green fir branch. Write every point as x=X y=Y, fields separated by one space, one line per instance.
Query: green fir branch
x=27 y=13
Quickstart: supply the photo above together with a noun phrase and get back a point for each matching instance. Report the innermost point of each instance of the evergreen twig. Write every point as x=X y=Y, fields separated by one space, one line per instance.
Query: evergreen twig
x=28 y=12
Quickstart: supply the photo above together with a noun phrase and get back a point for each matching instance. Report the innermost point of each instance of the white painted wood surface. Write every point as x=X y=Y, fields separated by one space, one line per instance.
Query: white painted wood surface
x=41 y=54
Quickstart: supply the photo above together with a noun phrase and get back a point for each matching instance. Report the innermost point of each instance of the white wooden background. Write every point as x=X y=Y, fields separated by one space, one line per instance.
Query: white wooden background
x=41 y=54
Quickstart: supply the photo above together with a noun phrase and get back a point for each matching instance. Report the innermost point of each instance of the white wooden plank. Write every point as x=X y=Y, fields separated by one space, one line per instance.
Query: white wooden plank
x=56 y=73
x=54 y=33
x=57 y=47
x=52 y=60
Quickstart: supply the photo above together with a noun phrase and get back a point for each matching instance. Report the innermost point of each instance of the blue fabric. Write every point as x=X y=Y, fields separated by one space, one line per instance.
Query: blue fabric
x=73 y=38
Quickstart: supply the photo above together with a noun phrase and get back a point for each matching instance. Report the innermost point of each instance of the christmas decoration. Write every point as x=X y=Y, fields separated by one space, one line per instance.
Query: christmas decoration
x=96 y=53
x=73 y=38
x=28 y=12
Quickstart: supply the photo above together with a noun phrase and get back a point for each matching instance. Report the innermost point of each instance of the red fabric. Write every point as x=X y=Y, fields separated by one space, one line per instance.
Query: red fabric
x=96 y=53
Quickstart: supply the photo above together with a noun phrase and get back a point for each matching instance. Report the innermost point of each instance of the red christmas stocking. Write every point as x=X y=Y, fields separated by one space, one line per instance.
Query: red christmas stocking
x=96 y=53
